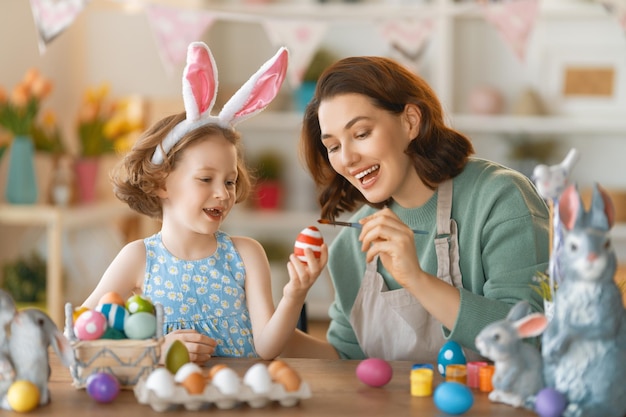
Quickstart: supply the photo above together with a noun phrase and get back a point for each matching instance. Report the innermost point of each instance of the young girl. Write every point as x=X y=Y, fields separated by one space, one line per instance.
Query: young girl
x=187 y=170
x=375 y=141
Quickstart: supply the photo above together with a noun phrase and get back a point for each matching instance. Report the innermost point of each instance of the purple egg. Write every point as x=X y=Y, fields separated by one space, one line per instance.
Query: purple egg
x=550 y=403
x=103 y=387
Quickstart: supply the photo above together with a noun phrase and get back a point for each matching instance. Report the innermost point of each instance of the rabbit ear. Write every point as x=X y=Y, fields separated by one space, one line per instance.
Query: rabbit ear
x=199 y=94
x=519 y=310
x=570 y=207
x=601 y=211
x=531 y=325
x=63 y=348
x=199 y=81
x=257 y=93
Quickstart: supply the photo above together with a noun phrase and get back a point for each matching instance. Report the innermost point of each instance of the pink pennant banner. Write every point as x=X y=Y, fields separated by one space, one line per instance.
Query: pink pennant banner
x=618 y=9
x=52 y=17
x=407 y=39
x=514 y=19
x=302 y=38
x=174 y=29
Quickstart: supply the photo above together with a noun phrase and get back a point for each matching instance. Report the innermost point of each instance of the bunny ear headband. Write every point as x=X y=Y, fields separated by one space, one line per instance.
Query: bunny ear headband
x=200 y=91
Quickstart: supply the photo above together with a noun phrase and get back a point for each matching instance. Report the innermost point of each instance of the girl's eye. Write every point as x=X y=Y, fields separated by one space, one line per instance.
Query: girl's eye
x=332 y=149
x=231 y=183
x=205 y=179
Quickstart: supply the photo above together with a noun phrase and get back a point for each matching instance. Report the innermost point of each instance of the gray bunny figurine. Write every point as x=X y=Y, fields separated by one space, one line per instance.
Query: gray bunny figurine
x=584 y=345
x=7 y=312
x=518 y=372
x=32 y=332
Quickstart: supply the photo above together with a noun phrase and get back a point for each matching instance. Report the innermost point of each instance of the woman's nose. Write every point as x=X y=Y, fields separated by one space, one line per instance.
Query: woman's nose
x=348 y=155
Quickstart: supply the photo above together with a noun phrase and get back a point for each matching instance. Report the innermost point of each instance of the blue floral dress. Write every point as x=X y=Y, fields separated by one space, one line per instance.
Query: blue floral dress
x=206 y=294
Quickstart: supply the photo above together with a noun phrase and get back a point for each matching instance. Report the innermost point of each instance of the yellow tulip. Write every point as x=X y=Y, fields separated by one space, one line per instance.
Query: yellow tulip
x=20 y=96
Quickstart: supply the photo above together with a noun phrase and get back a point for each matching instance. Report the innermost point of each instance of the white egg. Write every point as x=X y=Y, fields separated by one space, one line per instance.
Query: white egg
x=227 y=381
x=258 y=378
x=186 y=370
x=161 y=382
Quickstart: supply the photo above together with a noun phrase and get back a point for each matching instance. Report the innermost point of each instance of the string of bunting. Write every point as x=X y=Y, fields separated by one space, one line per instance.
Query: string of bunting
x=175 y=27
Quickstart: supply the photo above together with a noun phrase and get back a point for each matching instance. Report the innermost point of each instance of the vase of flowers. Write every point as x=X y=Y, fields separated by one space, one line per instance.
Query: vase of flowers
x=105 y=126
x=18 y=114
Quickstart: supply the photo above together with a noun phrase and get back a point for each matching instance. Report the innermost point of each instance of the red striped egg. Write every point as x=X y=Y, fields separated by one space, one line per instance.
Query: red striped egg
x=309 y=237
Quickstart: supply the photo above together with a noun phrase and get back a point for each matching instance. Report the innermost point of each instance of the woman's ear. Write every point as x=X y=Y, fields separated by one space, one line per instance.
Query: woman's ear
x=412 y=117
x=161 y=192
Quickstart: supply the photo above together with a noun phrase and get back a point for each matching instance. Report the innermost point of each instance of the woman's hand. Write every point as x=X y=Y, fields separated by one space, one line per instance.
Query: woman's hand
x=199 y=346
x=302 y=275
x=385 y=235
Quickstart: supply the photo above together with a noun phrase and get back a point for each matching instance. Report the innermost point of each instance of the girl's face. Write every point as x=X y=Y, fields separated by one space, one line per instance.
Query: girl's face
x=200 y=191
x=366 y=145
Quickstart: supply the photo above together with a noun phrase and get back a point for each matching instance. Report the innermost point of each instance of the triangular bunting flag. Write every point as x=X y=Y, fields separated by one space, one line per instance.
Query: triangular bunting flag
x=514 y=19
x=174 y=29
x=53 y=16
x=407 y=39
x=302 y=38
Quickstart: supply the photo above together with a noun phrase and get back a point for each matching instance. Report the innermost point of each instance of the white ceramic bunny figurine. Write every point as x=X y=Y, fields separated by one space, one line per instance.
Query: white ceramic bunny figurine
x=7 y=312
x=584 y=345
x=32 y=332
x=518 y=372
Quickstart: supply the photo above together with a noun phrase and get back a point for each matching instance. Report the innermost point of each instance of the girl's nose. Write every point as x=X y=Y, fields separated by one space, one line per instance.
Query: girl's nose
x=221 y=192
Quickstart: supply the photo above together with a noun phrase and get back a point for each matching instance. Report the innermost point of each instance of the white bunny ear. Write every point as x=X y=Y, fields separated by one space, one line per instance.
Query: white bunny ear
x=199 y=94
x=199 y=81
x=258 y=92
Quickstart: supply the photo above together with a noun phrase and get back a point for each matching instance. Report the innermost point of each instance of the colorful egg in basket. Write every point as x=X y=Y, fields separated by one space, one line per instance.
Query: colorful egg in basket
x=127 y=359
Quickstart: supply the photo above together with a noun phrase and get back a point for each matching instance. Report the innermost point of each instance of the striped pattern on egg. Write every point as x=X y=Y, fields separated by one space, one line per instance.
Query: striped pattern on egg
x=309 y=237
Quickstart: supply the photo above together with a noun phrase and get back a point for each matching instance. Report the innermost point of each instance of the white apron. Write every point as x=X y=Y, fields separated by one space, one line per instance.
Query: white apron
x=392 y=324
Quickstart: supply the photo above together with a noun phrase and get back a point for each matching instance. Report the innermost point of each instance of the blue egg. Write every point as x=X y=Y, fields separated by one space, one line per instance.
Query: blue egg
x=453 y=398
x=450 y=353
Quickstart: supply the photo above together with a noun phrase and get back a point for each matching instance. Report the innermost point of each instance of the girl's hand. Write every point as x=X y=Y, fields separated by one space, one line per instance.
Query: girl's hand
x=200 y=346
x=385 y=235
x=303 y=275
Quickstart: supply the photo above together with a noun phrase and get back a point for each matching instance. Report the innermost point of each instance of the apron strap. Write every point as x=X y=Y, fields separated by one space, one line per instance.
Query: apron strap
x=444 y=209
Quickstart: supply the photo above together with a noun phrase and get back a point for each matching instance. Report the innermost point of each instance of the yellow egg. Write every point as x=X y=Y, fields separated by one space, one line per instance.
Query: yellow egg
x=23 y=396
x=78 y=311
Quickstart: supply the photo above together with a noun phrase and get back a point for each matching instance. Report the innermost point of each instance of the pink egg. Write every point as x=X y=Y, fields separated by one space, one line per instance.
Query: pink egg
x=374 y=372
x=90 y=325
x=309 y=237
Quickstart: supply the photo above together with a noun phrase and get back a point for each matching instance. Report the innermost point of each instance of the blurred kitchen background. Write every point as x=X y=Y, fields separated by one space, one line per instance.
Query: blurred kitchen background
x=527 y=80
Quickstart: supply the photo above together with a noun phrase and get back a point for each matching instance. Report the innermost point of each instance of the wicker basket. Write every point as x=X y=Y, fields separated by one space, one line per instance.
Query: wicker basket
x=128 y=360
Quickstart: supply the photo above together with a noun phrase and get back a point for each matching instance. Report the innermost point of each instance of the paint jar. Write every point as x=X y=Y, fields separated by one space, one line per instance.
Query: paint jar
x=485 y=374
x=456 y=373
x=422 y=382
x=472 y=373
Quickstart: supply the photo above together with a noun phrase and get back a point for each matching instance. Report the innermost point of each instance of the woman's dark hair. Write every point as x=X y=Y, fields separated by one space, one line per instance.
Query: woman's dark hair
x=136 y=179
x=438 y=152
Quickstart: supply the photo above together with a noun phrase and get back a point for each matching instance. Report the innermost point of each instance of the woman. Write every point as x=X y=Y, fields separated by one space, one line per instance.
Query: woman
x=375 y=141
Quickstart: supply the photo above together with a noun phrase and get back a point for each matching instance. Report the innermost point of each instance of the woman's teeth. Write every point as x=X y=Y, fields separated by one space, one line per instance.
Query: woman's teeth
x=362 y=174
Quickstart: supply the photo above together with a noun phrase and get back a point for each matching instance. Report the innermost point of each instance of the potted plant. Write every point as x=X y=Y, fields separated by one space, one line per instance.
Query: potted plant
x=268 y=170
x=322 y=59
x=25 y=279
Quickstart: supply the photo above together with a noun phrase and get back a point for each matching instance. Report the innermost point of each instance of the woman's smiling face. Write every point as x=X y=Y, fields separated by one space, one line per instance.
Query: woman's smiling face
x=366 y=145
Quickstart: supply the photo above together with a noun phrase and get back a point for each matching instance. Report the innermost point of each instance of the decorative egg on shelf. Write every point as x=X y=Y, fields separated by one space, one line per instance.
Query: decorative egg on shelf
x=485 y=100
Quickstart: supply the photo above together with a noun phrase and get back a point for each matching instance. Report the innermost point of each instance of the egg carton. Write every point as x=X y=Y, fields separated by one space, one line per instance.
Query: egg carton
x=212 y=396
x=126 y=359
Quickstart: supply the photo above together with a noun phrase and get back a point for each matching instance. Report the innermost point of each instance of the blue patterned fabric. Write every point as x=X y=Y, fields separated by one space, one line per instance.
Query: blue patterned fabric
x=206 y=295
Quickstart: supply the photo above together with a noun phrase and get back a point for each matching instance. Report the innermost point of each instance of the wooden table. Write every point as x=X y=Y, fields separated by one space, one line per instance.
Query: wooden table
x=335 y=392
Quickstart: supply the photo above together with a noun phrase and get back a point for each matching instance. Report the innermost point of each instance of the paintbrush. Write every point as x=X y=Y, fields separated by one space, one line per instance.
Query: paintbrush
x=359 y=225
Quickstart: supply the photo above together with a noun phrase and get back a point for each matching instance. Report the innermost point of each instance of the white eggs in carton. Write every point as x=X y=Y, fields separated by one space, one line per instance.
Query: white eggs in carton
x=225 y=390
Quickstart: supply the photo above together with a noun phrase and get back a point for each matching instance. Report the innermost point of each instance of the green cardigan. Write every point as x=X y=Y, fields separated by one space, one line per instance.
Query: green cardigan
x=503 y=227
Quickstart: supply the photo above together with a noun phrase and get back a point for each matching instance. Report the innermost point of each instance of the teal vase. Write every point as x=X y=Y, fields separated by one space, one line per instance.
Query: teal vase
x=21 y=185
